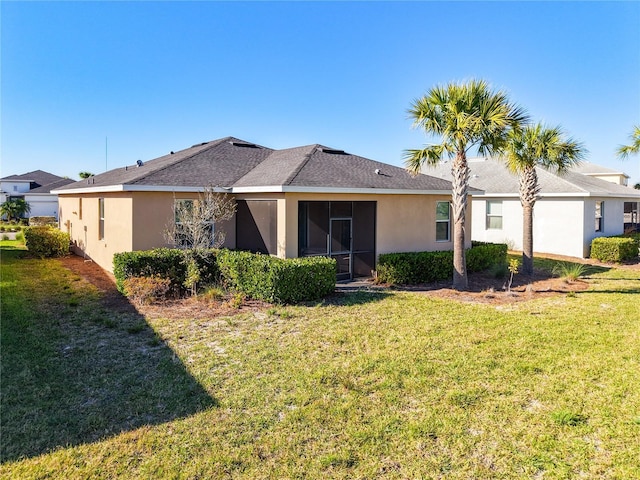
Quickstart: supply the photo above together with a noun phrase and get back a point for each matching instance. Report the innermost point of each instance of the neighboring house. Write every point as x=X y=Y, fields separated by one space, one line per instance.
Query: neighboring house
x=571 y=211
x=631 y=209
x=296 y=202
x=603 y=173
x=35 y=188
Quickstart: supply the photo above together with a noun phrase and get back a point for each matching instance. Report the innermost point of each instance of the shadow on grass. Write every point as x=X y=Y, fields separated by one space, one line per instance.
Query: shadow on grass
x=356 y=297
x=76 y=369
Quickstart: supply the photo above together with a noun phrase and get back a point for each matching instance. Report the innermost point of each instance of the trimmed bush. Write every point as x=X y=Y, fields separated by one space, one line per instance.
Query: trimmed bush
x=426 y=267
x=170 y=263
x=614 y=249
x=277 y=280
x=43 y=221
x=482 y=256
x=159 y=262
x=46 y=242
x=146 y=290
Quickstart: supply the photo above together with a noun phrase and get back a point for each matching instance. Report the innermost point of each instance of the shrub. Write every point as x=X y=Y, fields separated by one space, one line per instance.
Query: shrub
x=482 y=256
x=171 y=263
x=42 y=221
x=145 y=290
x=159 y=262
x=277 y=280
x=46 y=241
x=426 y=267
x=614 y=249
x=568 y=270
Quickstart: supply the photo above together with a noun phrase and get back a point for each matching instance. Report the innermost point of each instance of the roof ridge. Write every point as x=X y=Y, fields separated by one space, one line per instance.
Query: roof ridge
x=210 y=144
x=301 y=165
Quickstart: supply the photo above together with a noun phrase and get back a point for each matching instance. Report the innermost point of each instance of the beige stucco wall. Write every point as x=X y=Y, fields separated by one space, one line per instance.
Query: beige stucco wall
x=82 y=223
x=404 y=223
x=137 y=221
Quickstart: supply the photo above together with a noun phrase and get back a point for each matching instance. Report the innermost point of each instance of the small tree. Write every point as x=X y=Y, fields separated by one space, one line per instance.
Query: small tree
x=84 y=175
x=195 y=220
x=14 y=208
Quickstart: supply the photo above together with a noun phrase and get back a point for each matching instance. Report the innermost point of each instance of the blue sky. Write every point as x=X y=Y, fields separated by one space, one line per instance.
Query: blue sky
x=159 y=76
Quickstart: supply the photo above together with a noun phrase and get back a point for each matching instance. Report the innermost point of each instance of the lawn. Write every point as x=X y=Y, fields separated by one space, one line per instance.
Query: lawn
x=365 y=385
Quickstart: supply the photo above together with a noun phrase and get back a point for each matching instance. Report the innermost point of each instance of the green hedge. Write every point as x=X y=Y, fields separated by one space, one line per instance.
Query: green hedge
x=168 y=263
x=46 y=241
x=276 y=280
x=614 y=249
x=258 y=276
x=426 y=267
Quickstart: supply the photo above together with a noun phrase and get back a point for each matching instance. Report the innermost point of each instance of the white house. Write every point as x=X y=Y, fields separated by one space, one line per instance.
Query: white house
x=35 y=188
x=570 y=212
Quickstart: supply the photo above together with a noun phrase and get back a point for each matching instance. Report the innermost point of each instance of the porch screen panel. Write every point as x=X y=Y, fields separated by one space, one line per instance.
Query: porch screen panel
x=364 y=238
x=256 y=226
x=313 y=228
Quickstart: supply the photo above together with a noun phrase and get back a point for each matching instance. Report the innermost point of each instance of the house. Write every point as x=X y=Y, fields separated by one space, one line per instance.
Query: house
x=35 y=188
x=302 y=201
x=570 y=212
x=631 y=208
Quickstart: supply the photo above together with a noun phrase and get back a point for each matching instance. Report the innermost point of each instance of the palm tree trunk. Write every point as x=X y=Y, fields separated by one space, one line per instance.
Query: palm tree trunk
x=529 y=190
x=460 y=173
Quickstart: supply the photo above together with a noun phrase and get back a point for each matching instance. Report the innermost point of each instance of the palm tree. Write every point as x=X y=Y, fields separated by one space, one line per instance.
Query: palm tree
x=84 y=175
x=537 y=146
x=625 y=150
x=465 y=115
x=14 y=208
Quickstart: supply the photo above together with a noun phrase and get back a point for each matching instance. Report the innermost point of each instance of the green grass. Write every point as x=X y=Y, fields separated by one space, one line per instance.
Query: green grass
x=367 y=385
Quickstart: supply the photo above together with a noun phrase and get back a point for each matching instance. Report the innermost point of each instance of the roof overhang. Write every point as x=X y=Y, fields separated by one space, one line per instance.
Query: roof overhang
x=631 y=195
x=260 y=189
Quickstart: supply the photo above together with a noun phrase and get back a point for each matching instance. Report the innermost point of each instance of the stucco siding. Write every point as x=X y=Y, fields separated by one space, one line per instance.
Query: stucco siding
x=80 y=217
x=558 y=225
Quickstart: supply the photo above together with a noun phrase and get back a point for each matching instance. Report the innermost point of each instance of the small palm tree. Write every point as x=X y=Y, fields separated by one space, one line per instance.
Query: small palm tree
x=465 y=115
x=14 y=208
x=537 y=146
x=625 y=150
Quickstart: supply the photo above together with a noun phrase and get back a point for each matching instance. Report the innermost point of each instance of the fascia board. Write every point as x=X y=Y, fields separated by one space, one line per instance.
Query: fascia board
x=137 y=188
x=260 y=189
x=341 y=190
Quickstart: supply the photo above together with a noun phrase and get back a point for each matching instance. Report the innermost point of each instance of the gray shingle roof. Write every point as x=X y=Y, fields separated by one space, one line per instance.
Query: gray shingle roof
x=230 y=162
x=492 y=176
x=39 y=177
x=51 y=186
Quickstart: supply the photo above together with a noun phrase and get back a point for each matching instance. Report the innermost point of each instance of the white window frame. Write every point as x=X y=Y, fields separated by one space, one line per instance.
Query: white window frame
x=177 y=240
x=599 y=216
x=446 y=221
x=493 y=216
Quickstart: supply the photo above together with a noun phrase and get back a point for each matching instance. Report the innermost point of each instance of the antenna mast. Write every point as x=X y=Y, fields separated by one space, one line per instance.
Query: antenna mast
x=106 y=154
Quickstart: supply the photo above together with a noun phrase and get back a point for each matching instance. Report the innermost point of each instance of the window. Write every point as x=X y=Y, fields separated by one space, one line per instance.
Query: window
x=494 y=215
x=599 y=216
x=15 y=188
x=190 y=232
x=443 y=221
x=80 y=208
x=101 y=218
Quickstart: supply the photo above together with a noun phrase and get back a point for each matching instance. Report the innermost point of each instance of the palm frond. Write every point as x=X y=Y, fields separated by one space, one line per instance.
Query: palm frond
x=624 y=151
x=415 y=159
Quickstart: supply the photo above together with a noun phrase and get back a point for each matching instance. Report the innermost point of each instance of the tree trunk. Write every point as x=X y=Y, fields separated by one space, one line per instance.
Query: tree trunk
x=529 y=190
x=527 y=239
x=460 y=172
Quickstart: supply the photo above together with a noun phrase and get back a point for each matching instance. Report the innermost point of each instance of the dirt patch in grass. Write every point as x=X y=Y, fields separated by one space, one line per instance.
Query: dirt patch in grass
x=191 y=307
